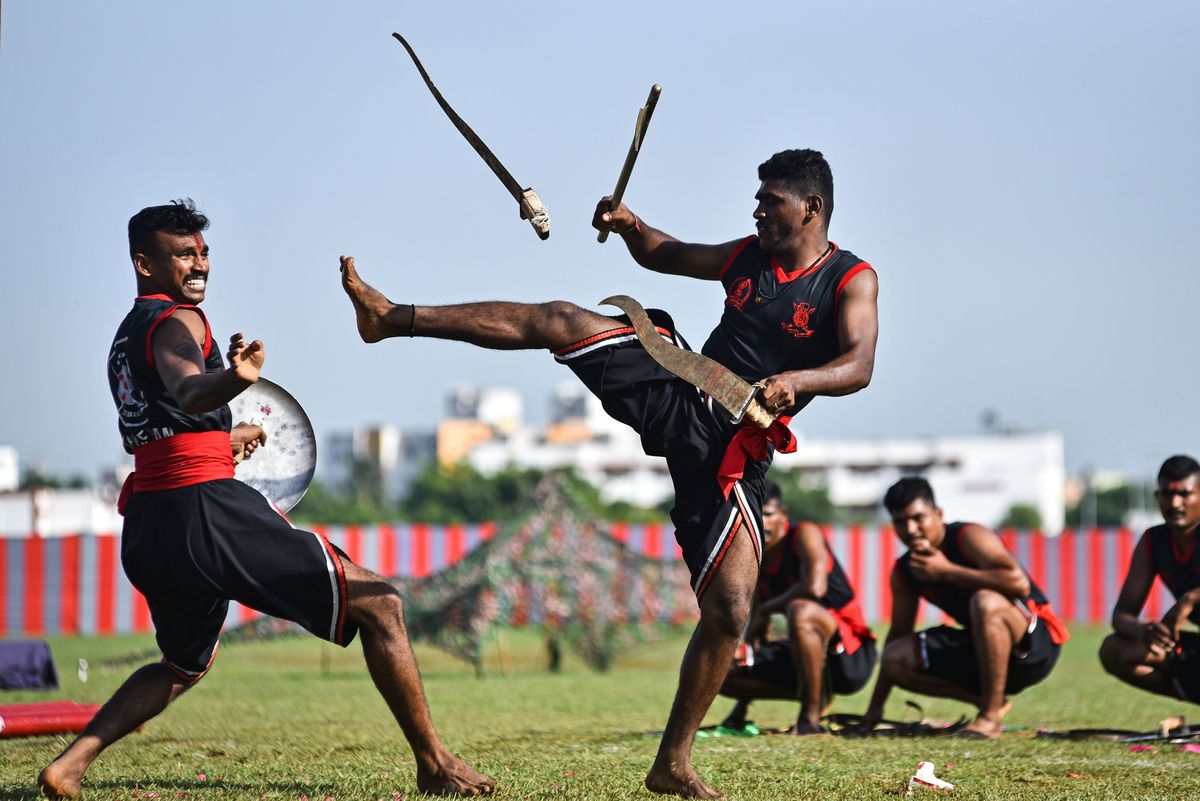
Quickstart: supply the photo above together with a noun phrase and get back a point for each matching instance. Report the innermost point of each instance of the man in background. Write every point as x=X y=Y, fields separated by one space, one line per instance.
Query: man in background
x=829 y=649
x=1158 y=655
x=1008 y=638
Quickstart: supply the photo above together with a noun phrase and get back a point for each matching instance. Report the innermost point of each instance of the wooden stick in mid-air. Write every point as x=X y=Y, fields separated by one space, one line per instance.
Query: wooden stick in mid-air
x=639 y=133
x=532 y=208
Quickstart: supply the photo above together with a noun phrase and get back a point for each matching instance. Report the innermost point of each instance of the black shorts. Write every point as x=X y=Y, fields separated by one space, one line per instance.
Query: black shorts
x=848 y=673
x=675 y=421
x=948 y=653
x=190 y=551
x=1184 y=667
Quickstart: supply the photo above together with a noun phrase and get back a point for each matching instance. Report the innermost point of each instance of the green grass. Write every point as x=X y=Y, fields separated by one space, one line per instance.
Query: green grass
x=299 y=718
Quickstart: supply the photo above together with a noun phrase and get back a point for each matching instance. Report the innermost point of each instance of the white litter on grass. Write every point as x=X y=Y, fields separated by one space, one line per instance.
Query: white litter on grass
x=924 y=778
x=82 y=671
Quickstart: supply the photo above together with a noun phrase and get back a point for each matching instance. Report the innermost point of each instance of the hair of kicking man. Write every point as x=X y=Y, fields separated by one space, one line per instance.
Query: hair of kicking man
x=806 y=173
x=168 y=252
x=1178 y=493
x=914 y=512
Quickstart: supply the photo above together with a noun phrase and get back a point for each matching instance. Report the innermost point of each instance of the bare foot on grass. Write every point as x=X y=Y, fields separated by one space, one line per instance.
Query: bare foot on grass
x=806 y=729
x=58 y=782
x=987 y=725
x=982 y=728
x=375 y=314
x=455 y=778
x=673 y=781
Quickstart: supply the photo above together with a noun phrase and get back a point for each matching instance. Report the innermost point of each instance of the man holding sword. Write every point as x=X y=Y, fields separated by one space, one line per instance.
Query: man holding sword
x=799 y=317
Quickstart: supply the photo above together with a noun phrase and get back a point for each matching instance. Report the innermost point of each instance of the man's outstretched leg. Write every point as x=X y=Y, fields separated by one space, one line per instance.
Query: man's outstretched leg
x=498 y=325
x=143 y=695
x=375 y=606
x=724 y=611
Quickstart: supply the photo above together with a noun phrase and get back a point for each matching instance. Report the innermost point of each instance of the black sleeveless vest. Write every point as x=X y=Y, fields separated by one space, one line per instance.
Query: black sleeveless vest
x=956 y=601
x=145 y=410
x=774 y=321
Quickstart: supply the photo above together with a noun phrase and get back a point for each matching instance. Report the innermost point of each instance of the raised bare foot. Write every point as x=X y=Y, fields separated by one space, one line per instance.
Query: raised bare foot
x=372 y=310
x=57 y=782
x=674 y=781
x=454 y=778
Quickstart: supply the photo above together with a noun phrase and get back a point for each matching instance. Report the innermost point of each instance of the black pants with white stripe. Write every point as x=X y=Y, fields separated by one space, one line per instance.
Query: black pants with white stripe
x=192 y=550
x=675 y=421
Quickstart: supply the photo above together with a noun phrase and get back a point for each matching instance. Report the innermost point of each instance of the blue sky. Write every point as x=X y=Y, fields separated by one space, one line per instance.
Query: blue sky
x=1021 y=175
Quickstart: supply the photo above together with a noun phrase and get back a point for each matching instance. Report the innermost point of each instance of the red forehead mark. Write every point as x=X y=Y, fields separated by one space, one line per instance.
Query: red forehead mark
x=199 y=240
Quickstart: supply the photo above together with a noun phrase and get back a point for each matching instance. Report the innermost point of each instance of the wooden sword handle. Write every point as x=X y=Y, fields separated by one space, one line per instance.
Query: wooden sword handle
x=639 y=133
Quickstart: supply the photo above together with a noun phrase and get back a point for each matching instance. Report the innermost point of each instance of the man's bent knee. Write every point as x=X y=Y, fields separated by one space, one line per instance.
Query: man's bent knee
x=900 y=658
x=1110 y=655
x=987 y=602
x=803 y=614
x=564 y=323
x=374 y=603
x=1120 y=656
x=726 y=613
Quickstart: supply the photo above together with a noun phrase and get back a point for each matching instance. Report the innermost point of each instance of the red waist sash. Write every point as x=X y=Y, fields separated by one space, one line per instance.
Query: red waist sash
x=178 y=461
x=749 y=443
x=852 y=626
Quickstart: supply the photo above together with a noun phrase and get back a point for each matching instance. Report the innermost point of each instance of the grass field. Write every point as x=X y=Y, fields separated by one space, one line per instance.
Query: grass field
x=297 y=718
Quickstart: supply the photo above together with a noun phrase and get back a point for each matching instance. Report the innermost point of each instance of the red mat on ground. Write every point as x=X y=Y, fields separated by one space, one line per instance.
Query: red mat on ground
x=50 y=717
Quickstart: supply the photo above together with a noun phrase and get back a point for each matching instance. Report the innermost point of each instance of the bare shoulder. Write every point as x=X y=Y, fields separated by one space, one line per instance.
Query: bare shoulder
x=183 y=322
x=181 y=334
x=809 y=534
x=863 y=284
x=981 y=543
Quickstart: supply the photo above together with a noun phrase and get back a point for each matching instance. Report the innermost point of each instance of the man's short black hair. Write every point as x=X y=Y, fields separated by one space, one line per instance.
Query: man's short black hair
x=906 y=491
x=771 y=491
x=178 y=217
x=806 y=171
x=1177 y=468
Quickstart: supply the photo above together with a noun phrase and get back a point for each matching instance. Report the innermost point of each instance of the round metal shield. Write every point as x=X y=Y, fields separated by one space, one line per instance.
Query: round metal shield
x=284 y=467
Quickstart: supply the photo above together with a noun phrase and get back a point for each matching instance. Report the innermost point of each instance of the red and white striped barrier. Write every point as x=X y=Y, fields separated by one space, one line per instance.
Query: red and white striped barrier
x=75 y=585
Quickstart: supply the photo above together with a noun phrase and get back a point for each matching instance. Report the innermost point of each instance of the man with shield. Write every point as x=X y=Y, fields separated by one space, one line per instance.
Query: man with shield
x=799 y=317
x=195 y=538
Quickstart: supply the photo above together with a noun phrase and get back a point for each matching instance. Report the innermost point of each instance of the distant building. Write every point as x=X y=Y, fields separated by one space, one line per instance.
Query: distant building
x=396 y=454
x=10 y=473
x=975 y=477
x=581 y=435
x=55 y=513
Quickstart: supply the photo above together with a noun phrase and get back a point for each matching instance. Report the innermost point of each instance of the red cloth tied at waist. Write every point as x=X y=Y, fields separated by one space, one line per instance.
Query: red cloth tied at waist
x=749 y=444
x=852 y=626
x=178 y=461
x=1044 y=612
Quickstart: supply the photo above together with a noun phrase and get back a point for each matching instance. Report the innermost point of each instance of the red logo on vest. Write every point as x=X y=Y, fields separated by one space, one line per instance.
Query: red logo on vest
x=798 y=327
x=739 y=294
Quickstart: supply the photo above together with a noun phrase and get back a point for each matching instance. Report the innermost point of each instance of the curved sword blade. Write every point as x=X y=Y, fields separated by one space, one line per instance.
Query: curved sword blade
x=722 y=384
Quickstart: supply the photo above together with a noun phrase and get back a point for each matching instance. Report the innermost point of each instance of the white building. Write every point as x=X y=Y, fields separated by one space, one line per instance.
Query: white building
x=55 y=513
x=975 y=478
x=10 y=473
x=396 y=454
